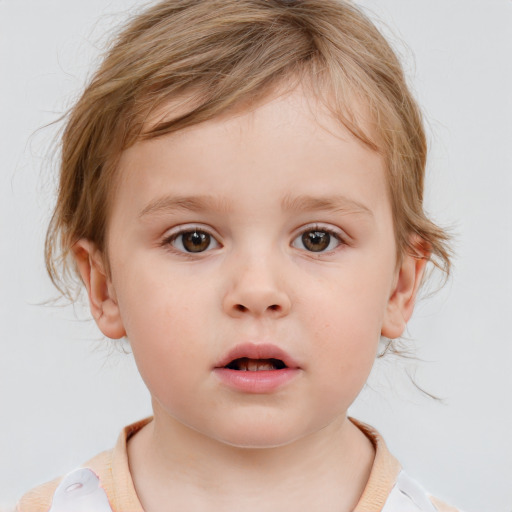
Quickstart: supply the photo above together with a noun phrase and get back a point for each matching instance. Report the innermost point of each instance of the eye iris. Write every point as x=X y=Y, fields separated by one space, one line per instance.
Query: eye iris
x=196 y=241
x=316 y=241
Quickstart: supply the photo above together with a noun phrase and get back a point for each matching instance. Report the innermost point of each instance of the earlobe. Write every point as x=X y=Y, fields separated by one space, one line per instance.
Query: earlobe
x=101 y=293
x=403 y=297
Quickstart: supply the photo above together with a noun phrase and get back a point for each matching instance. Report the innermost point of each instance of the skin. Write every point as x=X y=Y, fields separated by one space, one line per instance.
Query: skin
x=254 y=181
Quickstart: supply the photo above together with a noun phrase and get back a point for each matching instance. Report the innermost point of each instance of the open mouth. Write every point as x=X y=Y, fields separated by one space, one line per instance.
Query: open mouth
x=257 y=368
x=245 y=364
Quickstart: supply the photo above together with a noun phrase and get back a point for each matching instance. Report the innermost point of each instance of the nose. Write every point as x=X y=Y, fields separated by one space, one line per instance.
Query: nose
x=256 y=289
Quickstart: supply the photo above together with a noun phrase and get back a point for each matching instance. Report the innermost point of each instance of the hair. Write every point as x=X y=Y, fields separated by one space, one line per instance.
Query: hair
x=227 y=54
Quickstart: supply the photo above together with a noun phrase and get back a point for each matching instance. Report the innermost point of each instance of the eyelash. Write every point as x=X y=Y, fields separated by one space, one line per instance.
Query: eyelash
x=333 y=234
x=170 y=240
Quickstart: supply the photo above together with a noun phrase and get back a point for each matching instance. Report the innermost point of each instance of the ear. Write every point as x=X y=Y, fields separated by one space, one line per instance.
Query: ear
x=403 y=297
x=102 y=298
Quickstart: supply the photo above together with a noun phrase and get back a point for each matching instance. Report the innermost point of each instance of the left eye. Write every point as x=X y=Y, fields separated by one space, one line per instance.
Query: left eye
x=317 y=240
x=193 y=241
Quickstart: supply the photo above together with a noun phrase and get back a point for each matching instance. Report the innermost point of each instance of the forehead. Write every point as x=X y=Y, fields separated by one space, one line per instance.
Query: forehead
x=290 y=142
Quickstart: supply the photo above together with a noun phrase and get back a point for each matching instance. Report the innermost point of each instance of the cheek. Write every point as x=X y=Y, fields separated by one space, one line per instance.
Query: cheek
x=163 y=318
x=349 y=304
x=347 y=348
x=345 y=321
x=347 y=339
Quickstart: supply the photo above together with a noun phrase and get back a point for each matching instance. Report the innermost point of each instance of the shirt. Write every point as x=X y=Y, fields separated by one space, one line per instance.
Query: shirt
x=388 y=488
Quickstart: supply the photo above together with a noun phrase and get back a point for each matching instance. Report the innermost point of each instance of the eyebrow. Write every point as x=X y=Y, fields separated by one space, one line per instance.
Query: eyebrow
x=335 y=203
x=170 y=203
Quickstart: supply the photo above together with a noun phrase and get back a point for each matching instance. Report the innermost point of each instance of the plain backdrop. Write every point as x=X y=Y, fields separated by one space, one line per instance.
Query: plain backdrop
x=65 y=393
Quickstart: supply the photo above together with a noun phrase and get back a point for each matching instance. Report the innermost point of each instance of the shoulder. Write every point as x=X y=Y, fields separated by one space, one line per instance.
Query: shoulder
x=408 y=496
x=389 y=488
x=40 y=498
x=105 y=477
x=443 y=507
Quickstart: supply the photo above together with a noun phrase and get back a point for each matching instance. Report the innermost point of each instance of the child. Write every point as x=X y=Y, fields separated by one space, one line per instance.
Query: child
x=241 y=195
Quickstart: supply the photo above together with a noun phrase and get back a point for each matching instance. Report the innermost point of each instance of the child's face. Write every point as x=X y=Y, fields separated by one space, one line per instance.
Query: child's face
x=262 y=228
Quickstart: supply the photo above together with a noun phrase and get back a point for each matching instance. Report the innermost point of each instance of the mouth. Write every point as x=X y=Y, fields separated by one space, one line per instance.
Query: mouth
x=246 y=364
x=256 y=357
x=257 y=368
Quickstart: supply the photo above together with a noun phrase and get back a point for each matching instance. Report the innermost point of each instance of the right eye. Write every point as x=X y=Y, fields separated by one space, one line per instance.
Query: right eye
x=192 y=241
x=318 y=239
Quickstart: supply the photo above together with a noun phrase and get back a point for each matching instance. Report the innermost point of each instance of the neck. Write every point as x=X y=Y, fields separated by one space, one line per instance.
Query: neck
x=174 y=466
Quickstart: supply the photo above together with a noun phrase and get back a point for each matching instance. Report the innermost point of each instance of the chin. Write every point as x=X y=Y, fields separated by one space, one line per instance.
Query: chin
x=259 y=436
x=257 y=442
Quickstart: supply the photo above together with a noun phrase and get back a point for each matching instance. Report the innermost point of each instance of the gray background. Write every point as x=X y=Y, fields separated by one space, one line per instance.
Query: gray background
x=65 y=393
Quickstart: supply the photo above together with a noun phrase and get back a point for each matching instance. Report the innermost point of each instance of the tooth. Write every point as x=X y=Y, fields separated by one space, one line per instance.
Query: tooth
x=260 y=365
x=254 y=365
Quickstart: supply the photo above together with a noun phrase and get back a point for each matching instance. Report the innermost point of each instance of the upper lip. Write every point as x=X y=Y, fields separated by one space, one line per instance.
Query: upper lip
x=257 y=351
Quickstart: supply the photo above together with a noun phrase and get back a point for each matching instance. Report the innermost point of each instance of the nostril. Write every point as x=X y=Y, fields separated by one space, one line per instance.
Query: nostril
x=243 y=309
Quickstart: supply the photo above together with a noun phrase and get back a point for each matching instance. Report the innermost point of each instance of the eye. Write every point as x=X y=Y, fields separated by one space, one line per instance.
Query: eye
x=192 y=241
x=317 y=240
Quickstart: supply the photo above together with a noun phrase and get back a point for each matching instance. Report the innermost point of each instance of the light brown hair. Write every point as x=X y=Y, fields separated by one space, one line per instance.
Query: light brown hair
x=227 y=53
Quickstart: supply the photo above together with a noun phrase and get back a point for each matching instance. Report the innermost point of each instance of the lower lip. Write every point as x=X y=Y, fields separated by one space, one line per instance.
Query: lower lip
x=263 y=381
